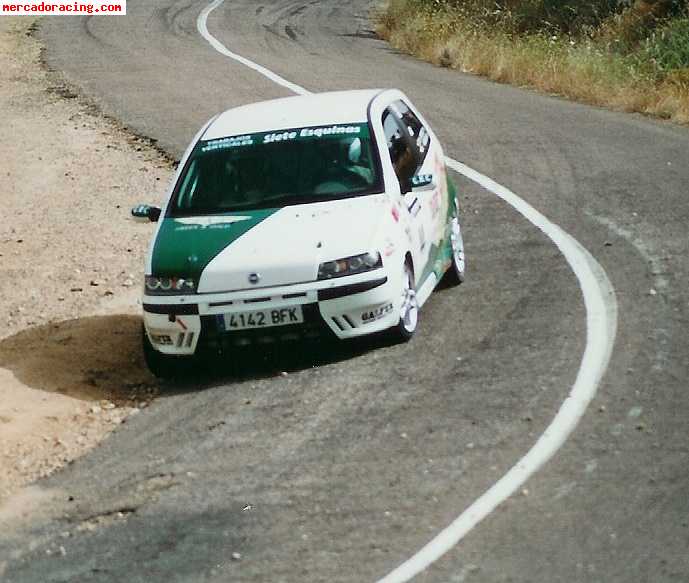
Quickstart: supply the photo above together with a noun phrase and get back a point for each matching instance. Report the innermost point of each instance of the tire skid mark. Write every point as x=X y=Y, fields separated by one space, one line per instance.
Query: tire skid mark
x=175 y=21
x=661 y=282
x=89 y=29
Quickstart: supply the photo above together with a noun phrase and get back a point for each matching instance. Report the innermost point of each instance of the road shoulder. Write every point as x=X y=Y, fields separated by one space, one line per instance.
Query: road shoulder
x=70 y=365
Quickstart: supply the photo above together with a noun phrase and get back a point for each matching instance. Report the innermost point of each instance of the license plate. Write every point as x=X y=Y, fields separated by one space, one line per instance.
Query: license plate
x=264 y=318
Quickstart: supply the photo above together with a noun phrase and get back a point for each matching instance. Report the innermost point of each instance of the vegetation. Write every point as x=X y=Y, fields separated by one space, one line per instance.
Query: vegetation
x=626 y=54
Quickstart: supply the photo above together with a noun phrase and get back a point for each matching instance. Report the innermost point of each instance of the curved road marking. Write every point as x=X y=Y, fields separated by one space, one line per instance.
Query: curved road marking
x=601 y=327
x=223 y=50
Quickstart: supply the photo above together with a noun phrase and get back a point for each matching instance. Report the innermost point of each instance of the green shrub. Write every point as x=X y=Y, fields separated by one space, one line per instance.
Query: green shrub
x=668 y=47
x=631 y=55
x=569 y=17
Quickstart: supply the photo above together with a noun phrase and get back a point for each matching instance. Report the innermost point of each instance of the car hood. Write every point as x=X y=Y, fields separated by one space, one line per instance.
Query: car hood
x=281 y=246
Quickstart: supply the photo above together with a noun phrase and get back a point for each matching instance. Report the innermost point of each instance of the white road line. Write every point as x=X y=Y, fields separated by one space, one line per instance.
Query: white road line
x=601 y=325
x=223 y=50
x=601 y=328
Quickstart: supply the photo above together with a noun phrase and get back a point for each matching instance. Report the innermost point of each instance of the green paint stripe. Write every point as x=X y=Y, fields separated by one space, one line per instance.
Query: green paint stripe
x=185 y=246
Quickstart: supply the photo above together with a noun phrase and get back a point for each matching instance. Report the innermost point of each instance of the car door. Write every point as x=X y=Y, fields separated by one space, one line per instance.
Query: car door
x=404 y=163
x=431 y=161
x=409 y=146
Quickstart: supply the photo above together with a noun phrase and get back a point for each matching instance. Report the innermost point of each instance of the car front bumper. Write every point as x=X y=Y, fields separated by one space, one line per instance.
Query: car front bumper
x=343 y=308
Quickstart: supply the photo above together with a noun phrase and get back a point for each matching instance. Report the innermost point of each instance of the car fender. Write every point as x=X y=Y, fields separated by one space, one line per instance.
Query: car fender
x=395 y=247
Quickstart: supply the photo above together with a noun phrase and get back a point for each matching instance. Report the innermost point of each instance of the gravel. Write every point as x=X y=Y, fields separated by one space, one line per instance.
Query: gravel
x=70 y=363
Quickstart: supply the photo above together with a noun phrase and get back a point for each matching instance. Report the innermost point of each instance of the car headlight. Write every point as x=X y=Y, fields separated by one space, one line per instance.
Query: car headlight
x=350 y=265
x=168 y=286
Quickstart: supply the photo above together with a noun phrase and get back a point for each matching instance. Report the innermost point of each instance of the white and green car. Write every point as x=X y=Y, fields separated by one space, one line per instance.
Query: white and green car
x=330 y=214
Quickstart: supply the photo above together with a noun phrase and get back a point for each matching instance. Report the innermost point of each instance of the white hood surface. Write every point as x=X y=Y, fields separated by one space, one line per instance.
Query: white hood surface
x=288 y=247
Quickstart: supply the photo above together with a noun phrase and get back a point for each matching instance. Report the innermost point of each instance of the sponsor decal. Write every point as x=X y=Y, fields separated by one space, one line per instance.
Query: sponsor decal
x=283 y=137
x=217 y=227
x=420 y=180
x=330 y=131
x=310 y=133
x=223 y=222
x=374 y=315
x=228 y=143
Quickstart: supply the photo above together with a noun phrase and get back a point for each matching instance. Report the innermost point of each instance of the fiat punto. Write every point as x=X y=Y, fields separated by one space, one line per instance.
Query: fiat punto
x=329 y=214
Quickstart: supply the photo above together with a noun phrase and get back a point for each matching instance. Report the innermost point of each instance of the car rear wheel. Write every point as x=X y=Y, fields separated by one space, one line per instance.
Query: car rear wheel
x=409 y=311
x=163 y=366
x=456 y=273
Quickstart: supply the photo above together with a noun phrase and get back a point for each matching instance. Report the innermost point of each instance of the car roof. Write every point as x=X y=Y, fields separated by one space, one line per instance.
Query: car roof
x=337 y=107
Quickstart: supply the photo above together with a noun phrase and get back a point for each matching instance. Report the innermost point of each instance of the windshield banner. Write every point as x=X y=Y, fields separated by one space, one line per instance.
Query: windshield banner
x=299 y=134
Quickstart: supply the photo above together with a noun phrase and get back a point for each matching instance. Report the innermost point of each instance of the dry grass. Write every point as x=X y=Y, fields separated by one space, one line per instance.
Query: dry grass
x=583 y=71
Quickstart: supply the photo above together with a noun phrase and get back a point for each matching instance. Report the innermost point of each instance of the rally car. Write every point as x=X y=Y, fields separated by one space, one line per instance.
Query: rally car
x=329 y=214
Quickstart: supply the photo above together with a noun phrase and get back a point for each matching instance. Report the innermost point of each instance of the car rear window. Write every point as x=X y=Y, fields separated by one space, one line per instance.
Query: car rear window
x=275 y=169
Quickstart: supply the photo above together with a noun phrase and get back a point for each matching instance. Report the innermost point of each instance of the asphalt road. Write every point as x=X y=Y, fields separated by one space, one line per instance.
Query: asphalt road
x=343 y=468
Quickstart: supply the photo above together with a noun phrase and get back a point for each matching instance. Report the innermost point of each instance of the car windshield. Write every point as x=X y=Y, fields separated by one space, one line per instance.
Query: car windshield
x=275 y=169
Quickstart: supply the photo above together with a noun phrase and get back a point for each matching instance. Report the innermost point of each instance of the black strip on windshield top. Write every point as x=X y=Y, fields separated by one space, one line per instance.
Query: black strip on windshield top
x=323 y=131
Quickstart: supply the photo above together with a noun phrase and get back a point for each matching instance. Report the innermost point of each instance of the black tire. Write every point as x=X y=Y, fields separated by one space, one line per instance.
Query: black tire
x=456 y=273
x=163 y=366
x=408 y=323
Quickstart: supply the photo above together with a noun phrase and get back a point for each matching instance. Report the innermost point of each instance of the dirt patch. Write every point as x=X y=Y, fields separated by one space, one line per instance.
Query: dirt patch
x=71 y=266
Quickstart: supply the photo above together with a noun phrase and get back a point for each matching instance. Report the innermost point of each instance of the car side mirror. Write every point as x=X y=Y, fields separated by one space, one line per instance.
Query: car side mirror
x=423 y=182
x=145 y=213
